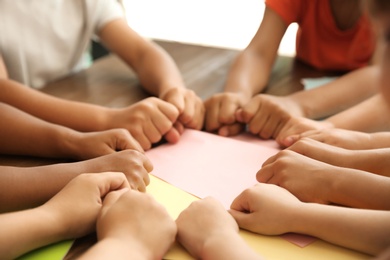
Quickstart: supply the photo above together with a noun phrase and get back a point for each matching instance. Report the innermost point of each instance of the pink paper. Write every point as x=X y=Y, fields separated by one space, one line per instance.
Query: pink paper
x=205 y=164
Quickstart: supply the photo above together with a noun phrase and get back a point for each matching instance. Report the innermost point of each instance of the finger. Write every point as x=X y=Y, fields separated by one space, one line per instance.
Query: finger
x=227 y=113
x=212 y=122
x=269 y=127
x=231 y=130
x=169 y=110
x=139 y=135
x=152 y=132
x=265 y=174
x=113 y=196
x=172 y=136
x=176 y=98
x=127 y=141
x=197 y=118
x=242 y=218
x=290 y=140
x=188 y=111
x=239 y=115
x=240 y=203
x=179 y=127
x=110 y=181
x=250 y=110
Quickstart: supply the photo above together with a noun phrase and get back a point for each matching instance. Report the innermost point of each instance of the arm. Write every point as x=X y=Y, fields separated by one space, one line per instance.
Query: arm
x=315 y=181
x=371 y=115
x=369 y=160
x=133 y=226
x=271 y=210
x=147 y=121
x=70 y=214
x=248 y=75
x=207 y=231
x=28 y=135
x=26 y=187
x=155 y=69
x=341 y=94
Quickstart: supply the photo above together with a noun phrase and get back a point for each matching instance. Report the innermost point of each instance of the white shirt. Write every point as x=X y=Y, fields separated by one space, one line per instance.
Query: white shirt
x=44 y=40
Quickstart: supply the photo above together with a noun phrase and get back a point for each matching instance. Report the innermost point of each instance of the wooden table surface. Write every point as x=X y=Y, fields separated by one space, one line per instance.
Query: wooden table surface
x=110 y=82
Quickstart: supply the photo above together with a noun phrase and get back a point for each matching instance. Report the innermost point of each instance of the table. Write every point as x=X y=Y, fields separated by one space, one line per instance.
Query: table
x=110 y=82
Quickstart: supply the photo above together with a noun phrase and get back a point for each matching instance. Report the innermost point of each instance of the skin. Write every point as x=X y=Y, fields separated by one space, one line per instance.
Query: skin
x=369 y=160
x=274 y=117
x=70 y=214
x=272 y=210
x=51 y=140
x=147 y=121
x=311 y=180
x=133 y=226
x=26 y=187
x=244 y=82
x=203 y=235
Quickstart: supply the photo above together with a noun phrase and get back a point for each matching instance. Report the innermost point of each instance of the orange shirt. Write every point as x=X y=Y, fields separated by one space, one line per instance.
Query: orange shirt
x=320 y=42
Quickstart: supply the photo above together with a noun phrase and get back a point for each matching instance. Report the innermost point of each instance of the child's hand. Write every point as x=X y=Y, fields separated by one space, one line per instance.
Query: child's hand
x=266 y=115
x=133 y=164
x=76 y=207
x=220 y=113
x=296 y=126
x=148 y=121
x=202 y=221
x=83 y=146
x=266 y=209
x=139 y=222
x=308 y=179
x=190 y=106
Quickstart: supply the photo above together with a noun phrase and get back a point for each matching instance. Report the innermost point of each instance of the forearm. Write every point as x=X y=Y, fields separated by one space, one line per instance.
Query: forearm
x=28 y=135
x=26 y=230
x=363 y=230
x=371 y=115
x=234 y=247
x=26 y=187
x=76 y=115
x=341 y=94
x=373 y=160
x=249 y=74
x=359 y=189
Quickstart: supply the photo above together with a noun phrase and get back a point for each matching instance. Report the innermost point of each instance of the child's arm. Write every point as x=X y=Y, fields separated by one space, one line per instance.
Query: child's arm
x=207 y=231
x=23 y=134
x=26 y=187
x=372 y=115
x=155 y=69
x=315 y=181
x=271 y=210
x=369 y=160
x=148 y=120
x=70 y=214
x=133 y=226
x=248 y=75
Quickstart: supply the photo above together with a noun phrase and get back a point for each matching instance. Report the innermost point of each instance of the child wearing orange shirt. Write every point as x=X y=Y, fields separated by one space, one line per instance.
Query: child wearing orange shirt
x=332 y=36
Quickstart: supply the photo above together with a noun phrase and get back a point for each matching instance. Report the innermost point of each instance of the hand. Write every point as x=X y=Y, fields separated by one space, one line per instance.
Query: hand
x=190 y=106
x=202 y=221
x=220 y=113
x=89 y=145
x=78 y=204
x=265 y=209
x=309 y=180
x=137 y=220
x=133 y=164
x=148 y=121
x=296 y=126
x=266 y=115
x=337 y=137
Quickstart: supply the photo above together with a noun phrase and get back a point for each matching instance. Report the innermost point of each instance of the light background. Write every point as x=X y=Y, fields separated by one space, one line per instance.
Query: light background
x=219 y=23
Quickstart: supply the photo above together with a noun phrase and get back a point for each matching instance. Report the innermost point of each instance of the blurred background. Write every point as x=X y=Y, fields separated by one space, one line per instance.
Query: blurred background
x=220 y=23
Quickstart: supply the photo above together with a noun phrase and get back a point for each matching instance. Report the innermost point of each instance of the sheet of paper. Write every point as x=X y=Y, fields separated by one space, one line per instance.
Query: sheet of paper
x=205 y=164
